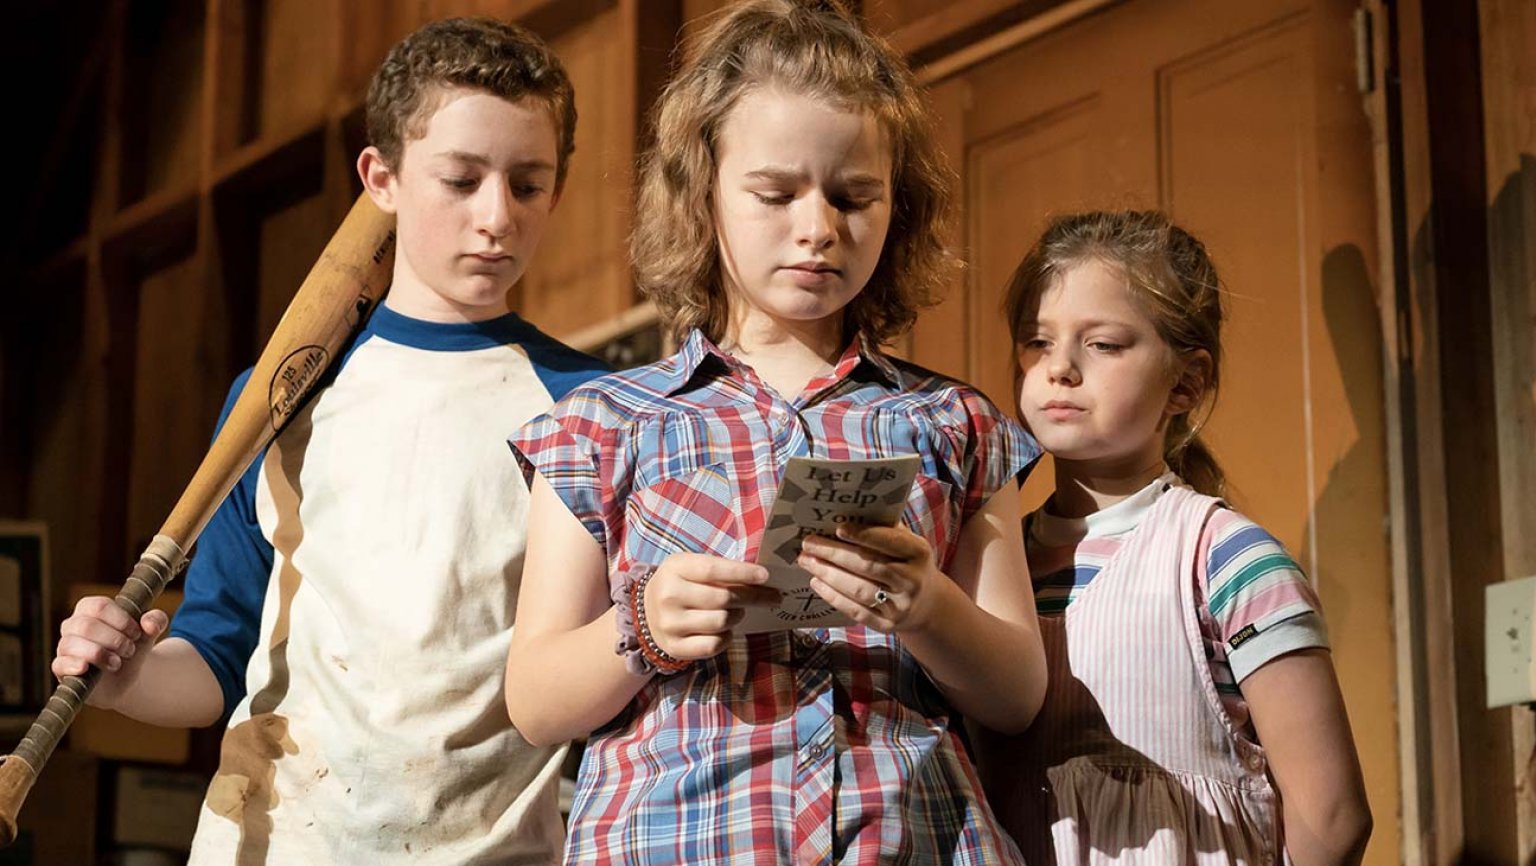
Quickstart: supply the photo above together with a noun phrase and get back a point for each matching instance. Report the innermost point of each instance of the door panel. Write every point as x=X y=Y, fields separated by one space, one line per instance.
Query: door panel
x=1232 y=146
x=1243 y=121
x=1018 y=178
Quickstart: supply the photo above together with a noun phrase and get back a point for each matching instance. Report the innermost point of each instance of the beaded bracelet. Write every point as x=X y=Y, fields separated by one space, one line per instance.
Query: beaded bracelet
x=642 y=655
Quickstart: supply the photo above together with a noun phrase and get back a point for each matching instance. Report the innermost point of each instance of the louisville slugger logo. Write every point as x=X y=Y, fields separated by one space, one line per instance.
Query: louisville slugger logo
x=385 y=247
x=361 y=305
x=295 y=375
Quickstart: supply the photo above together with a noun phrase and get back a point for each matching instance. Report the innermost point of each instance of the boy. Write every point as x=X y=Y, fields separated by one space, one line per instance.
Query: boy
x=360 y=581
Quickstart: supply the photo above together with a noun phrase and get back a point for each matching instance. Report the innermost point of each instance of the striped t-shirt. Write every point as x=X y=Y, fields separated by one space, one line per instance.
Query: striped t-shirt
x=1257 y=605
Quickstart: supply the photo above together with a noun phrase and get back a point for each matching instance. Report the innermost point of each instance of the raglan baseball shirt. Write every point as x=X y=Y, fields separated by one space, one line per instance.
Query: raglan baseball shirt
x=354 y=597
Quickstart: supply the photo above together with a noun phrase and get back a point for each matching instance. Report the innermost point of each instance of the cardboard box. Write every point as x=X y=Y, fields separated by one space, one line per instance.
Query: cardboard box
x=157 y=808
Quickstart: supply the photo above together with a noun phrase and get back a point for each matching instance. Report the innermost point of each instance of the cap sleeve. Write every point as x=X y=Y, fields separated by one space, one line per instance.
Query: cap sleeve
x=992 y=450
x=564 y=446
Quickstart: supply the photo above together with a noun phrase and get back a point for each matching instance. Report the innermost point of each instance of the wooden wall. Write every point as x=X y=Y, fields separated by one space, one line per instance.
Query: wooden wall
x=220 y=137
x=1508 y=66
x=207 y=151
x=1244 y=122
x=1453 y=117
x=228 y=132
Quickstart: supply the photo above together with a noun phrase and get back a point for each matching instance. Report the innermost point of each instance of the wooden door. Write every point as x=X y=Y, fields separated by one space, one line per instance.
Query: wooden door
x=1243 y=120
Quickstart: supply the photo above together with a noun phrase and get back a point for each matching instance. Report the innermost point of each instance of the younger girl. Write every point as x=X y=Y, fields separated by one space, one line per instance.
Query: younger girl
x=786 y=227
x=1188 y=665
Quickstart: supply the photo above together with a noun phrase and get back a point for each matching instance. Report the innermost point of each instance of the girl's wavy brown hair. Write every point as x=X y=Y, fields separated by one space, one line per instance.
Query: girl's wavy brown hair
x=812 y=47
x=1171 y=278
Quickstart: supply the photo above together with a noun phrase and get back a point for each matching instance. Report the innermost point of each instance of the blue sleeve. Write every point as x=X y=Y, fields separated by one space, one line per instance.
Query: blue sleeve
x=226 y=583
x=560 y=368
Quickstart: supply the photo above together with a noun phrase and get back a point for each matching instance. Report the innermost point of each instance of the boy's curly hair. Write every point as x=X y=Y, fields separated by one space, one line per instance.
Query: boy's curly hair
x=478 y=53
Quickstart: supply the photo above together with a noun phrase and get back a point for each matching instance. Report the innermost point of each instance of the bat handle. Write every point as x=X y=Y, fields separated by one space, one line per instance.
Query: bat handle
x=18 y=771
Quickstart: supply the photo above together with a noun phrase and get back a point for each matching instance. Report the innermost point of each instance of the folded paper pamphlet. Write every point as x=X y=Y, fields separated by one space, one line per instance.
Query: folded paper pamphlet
x=815 y=496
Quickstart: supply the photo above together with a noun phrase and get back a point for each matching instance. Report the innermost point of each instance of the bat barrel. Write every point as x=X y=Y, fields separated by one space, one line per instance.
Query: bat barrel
x=159 y=563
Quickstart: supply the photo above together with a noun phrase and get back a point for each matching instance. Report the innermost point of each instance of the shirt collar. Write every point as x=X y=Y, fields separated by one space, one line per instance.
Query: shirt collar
x=698 y=350
x=695 y=351
x=878 y=360
x=1053 y=530
x=405 y=330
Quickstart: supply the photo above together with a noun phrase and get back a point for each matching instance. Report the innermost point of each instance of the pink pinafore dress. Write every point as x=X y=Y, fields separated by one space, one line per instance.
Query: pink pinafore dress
x=1132 y=759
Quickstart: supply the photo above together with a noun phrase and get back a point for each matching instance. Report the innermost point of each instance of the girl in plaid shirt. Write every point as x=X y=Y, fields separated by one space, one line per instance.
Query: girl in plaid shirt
x=788 y=223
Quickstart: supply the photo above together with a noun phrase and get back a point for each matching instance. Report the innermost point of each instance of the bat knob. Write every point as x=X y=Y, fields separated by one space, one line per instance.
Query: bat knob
x=16 y=778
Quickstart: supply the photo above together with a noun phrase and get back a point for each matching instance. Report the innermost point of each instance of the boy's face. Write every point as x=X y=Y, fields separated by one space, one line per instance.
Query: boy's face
x=471 y=198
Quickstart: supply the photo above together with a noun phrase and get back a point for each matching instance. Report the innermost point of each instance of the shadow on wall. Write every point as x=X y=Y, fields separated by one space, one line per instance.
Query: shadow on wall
x=1476 y=467
x=1346 y=551
x=1512 y=273
x=1351 y=506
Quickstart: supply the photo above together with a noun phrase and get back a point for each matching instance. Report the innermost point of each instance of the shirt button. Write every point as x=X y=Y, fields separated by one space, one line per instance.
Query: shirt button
x=807 y=640
x=815 y=752
x=1256 y=762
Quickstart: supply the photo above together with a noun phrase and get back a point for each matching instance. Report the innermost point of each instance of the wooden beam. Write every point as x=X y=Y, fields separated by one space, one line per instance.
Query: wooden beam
x=551 y=18
x=1508 y=40
x=1420 y=560
x=143 y=215
x=81 y=100
x=1459 y=764
x=230 y=108
x=1456 y=226
x=1007 y=39
x=109 y=394
x=642 y=315
x=954 y=21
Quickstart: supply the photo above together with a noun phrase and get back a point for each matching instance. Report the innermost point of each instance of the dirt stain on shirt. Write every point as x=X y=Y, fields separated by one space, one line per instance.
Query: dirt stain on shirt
x=243 y=790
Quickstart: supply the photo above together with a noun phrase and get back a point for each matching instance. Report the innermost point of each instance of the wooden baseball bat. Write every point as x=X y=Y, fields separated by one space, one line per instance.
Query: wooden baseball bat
x=341 y=290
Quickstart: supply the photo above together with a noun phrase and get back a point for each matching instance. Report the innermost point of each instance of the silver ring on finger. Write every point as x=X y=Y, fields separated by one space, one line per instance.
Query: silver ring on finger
x=881 y=597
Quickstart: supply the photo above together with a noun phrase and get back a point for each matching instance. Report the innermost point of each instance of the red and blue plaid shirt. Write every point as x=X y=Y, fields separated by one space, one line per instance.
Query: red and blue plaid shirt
x=811 y=746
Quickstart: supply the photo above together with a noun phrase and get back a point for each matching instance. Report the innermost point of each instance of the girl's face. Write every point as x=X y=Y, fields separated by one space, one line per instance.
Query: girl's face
x=1098 y=383
x=802 y=205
